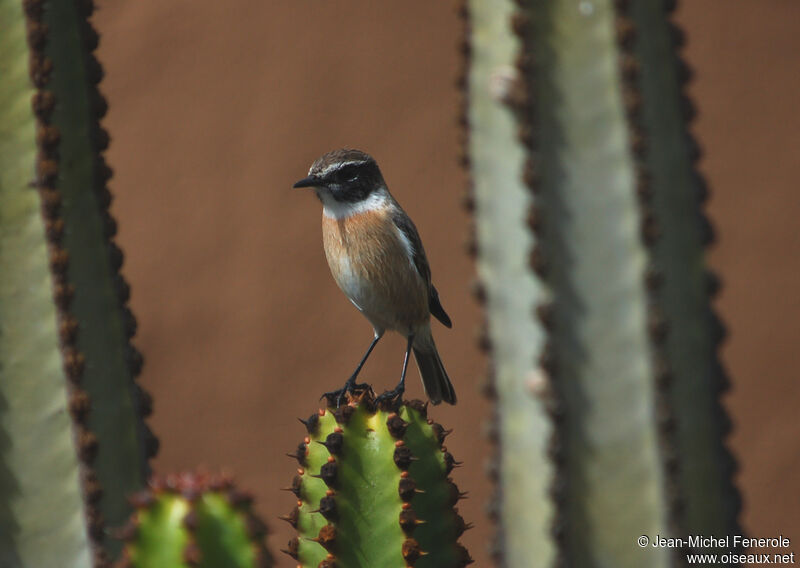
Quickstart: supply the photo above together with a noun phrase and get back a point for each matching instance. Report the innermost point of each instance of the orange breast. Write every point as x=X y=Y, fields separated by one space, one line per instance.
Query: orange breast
x=371 y=266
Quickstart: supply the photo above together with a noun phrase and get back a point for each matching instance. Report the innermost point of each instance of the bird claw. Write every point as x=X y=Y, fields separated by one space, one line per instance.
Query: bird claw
x=335 y=397
x=392 y=397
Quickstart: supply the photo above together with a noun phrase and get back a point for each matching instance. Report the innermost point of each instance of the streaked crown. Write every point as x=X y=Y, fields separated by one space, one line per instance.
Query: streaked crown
x=349 y=175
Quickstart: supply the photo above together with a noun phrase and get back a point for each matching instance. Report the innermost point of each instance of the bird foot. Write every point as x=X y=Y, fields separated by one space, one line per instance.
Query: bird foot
x=391 y=398
x=335 y=397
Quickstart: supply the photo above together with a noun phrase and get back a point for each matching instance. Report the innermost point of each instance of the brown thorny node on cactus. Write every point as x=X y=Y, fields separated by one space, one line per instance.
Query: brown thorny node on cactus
x=191 y=486
x=403 y=458
x=46 y=182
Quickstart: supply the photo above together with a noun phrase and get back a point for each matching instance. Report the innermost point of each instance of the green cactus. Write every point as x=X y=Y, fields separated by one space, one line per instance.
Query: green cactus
x=194 y=519
x=589 y=242
x=65 y=328
x=373 y=490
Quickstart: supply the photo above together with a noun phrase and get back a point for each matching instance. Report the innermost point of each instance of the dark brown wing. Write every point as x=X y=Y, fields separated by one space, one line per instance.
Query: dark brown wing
x=406 y=226
x=437 y=310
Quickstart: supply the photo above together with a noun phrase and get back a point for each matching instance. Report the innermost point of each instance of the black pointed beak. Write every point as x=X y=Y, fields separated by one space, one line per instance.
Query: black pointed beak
x=310 y=181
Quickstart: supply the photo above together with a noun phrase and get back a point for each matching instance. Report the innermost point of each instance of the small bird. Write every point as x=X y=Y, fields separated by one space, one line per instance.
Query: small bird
x=376 y=257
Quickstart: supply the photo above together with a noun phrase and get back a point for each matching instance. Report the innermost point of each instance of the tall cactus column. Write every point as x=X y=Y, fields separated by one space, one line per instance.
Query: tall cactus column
x=589 y=244
x=510 y=290
x=72 y=439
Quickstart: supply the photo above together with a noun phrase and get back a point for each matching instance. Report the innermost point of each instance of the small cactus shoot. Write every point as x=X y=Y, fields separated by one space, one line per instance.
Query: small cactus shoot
x=194 y=520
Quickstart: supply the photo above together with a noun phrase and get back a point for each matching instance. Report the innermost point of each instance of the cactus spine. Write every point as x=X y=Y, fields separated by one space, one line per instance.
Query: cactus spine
x=373 y=490
x=64 y=326
x=589 y=243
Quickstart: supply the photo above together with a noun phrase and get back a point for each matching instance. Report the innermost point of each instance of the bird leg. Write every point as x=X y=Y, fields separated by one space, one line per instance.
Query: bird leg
x=398 y=391
x=350 y=385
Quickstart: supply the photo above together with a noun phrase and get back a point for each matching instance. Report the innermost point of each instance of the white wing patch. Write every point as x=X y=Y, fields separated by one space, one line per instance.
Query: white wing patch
x=349 y=281
x=407 y=246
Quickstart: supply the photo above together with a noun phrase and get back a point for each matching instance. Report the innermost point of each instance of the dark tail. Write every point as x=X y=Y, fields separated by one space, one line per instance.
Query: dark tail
x=434 y=378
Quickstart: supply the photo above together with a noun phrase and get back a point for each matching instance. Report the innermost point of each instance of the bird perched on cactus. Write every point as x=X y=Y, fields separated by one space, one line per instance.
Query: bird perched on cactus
x=376 y=257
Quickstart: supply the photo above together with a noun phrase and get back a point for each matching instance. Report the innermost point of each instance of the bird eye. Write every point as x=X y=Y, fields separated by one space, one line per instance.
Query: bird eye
x=348 y=174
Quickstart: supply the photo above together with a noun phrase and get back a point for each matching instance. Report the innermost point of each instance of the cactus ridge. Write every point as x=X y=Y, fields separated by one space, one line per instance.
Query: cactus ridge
x=478 y=289
x=49 y=179
x=523 y=105
x=373 y=489
x=48 y=138
x=193 y=520
x=681 y=287
x=95 y=323
x=650 y=232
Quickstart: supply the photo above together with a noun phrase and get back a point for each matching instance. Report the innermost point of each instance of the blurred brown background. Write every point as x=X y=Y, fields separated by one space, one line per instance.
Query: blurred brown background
x=217 y=107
